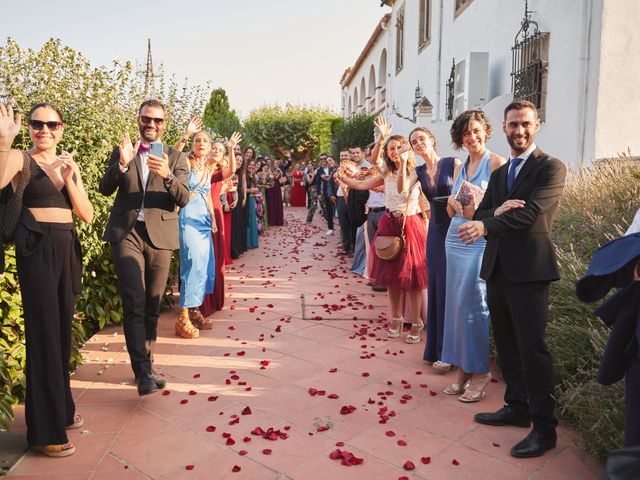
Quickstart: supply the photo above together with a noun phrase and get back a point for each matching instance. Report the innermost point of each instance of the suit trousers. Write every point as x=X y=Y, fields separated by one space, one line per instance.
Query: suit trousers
x=328 y=210
x=345 y=225
x=142 y=277
x=519 y=314
x=48 y=303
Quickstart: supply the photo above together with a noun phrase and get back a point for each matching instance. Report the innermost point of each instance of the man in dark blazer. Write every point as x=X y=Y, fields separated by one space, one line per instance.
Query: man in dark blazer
x=519 y=263
x=143 y=232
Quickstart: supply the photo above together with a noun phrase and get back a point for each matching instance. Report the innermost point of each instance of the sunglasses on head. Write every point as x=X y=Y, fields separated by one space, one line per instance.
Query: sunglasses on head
x=147 y=120
x=39 y=125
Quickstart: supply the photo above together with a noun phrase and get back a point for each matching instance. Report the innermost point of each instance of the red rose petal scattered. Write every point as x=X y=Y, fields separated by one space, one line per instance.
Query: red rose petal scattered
x=183 y=401
x=408 y=465
x=404 y=477
x=390 y=433
x=190 y=467
x=339 y=444
x=192 y=392
x=242 y=452
x=333 y=370
x=313 y=392
x=365 y=374
x=401 y=443
x=426 y=460
x=246 y=411
x=236 y=469
x=333 y=396
x=257 y=431
x=197 y=375
x=495 y=444
x=455 y=462
x=267 y=451
x=322 y=428
x=212 y=398
x=246 y=439
x=211 y=428
x=241 y=353
x=347 y=409
x=165 y=392
x=432 y=393
x=336 y=454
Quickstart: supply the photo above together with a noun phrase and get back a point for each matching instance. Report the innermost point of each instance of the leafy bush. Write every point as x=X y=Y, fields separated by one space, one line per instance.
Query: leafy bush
x=597 y=205
x=98 y=104
x=356 y=130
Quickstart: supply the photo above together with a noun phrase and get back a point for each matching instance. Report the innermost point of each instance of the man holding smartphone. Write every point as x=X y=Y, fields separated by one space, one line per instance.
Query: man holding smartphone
x=151 y=181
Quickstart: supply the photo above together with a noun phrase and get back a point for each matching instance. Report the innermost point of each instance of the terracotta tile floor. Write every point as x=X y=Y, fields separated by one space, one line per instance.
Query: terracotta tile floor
x=294 y=304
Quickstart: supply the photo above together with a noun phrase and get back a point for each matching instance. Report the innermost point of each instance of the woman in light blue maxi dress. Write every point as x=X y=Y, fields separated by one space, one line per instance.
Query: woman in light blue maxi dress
x=466 y=324
x=197 y=272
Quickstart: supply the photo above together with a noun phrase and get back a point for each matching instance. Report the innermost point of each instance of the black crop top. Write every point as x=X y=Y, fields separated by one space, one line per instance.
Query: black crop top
x=41 y=192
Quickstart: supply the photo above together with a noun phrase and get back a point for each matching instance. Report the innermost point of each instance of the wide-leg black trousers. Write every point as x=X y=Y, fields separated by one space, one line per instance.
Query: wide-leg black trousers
x=48 y=302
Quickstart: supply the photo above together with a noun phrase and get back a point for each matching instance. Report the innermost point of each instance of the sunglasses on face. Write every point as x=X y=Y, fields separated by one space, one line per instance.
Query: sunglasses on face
x=39 y=125
x=147 y=120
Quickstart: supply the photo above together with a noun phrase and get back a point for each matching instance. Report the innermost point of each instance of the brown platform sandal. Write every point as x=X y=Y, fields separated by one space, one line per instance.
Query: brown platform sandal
x=57 y=451
x=198 y=320
x=184 y=327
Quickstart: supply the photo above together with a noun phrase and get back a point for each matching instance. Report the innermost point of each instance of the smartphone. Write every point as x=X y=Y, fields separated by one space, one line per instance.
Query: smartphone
x=155 y=149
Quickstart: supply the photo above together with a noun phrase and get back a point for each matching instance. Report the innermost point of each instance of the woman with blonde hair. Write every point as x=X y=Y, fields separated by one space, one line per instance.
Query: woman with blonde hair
x=407 y=272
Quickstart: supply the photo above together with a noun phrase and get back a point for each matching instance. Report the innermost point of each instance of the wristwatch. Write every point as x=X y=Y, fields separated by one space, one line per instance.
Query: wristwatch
x=169 y=179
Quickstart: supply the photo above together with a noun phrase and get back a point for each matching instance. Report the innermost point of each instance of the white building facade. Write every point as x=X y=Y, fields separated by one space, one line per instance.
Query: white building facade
x=577 y=60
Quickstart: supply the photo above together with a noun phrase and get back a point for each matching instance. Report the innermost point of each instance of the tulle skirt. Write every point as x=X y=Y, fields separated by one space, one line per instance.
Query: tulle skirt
x=408 y=271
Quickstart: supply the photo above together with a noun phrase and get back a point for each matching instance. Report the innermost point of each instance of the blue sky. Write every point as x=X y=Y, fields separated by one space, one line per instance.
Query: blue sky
x=259 y=51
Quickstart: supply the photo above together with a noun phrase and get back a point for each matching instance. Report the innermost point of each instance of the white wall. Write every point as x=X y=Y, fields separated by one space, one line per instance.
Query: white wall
x=592 y=99
x=618 y=103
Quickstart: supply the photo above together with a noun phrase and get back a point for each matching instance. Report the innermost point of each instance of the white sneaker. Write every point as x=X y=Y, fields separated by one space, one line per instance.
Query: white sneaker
x=329 y=233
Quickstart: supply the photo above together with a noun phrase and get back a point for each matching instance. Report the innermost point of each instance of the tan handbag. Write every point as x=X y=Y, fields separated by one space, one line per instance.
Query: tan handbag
x=388 y=247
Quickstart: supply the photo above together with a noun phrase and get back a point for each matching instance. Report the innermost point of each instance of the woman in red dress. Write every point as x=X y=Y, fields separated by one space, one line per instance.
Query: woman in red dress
x=298 y=195
x=229 y=199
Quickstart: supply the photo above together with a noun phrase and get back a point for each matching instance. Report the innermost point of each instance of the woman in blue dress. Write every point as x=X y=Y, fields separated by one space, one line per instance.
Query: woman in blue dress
x=197 y=222
x=466 y=324
x=436 y=179
x=253 y=203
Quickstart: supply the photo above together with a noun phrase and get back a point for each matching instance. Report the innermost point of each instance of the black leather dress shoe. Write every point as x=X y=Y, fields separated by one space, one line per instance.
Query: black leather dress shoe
x=159 y=380
x=505 y=416
x=534 y=444
x=146 y=385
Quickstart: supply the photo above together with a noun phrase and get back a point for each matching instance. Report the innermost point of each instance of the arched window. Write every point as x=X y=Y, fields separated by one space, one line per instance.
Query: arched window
x=355 y=100
x=371 y=93
x=350 y=110
x=363 y=95
x=382 y=70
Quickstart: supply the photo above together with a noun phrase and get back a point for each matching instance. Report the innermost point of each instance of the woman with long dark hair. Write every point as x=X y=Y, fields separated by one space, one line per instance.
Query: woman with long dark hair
x=407 y=272
x=49 y=270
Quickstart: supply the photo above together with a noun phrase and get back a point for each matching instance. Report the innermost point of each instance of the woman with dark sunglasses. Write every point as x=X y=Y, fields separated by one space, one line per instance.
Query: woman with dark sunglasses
x=49 y=268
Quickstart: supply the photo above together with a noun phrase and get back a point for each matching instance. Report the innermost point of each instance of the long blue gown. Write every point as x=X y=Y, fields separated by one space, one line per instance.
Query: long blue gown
x=436 y=263
x=466 y=324
x=197 y=261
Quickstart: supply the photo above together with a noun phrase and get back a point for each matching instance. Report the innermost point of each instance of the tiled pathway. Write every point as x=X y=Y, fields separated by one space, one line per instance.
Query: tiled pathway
x=298 y=324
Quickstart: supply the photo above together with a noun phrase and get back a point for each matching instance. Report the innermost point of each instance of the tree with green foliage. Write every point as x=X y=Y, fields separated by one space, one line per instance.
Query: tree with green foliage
x=356 y=130
x=301 y=132
x=98 y=105
x=218 y=116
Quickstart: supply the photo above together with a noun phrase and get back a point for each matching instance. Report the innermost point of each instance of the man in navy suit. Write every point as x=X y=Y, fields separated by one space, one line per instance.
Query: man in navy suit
x=519 y=264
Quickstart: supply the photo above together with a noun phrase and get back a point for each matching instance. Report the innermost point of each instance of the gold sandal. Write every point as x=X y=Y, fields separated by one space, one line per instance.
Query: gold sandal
x=458 y=388
x=396 y=326
x=471 y=396
x=184 y=327
x=57 y=450
x=198 y=320
x=415 y=338
x=78 y=422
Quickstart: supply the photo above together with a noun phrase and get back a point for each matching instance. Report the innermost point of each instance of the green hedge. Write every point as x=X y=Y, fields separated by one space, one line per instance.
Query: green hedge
x=597 y=205
x=99 y=104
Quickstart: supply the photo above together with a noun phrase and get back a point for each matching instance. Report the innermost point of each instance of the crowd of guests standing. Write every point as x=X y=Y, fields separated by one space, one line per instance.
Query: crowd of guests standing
x=472 y=237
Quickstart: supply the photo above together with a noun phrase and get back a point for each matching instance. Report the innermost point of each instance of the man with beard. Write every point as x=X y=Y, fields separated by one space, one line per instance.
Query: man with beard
x=143 y=232
x=519 y=263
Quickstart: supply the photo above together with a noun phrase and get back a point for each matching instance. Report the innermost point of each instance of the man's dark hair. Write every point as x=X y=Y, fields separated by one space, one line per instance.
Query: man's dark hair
x=520 y=105
x=152 y=103
x=460 y=125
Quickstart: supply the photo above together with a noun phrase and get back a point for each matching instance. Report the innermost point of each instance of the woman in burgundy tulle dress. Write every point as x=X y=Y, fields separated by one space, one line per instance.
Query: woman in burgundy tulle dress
x=274 y=198
x=222 y=170
x=298 y=195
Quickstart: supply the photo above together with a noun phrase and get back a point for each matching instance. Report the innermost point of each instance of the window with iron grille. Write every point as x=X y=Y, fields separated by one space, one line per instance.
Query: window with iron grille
x=529 y=70
x=400 y=40
x=424 y=37
x=451 y=90
x=460 y=6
